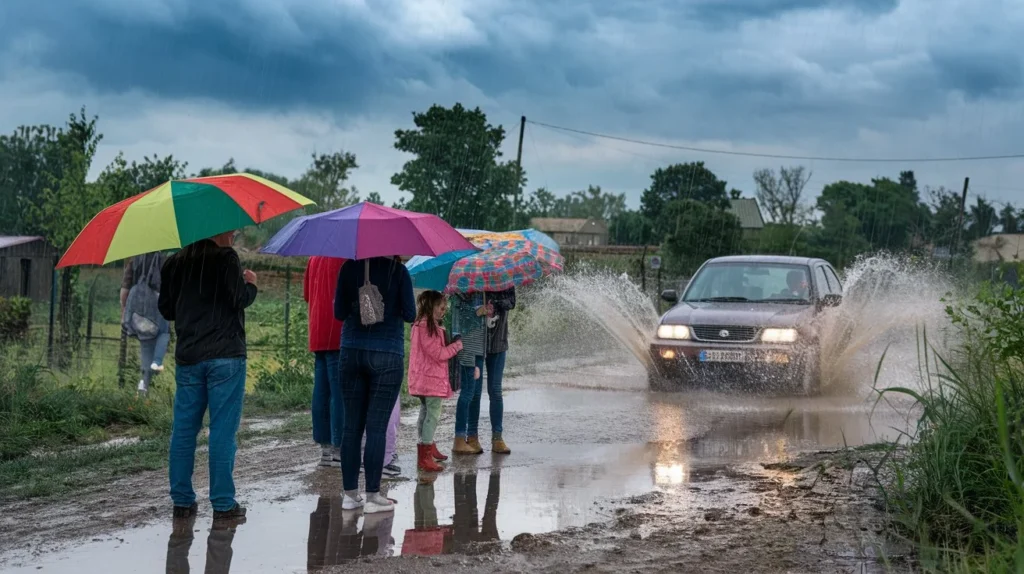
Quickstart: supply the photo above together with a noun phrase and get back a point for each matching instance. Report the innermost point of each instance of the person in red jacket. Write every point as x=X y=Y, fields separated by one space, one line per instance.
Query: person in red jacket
x=318 y=287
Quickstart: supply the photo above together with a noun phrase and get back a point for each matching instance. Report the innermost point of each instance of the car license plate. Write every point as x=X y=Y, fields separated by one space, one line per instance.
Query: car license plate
x=723 y=357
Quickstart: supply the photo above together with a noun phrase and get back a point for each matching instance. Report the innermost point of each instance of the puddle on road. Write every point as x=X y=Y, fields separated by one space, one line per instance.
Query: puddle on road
x=574 y=450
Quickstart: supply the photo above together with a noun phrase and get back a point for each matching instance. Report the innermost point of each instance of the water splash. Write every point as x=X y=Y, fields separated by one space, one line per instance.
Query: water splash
x=587 y=313
x=597 y=317
x=890 y=300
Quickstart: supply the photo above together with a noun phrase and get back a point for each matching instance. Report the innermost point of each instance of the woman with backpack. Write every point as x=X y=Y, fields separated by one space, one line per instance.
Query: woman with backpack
x=140 y=317
x=374 y=300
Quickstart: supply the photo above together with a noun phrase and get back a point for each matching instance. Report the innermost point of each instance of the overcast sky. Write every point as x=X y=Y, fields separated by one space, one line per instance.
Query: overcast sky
x=270 y=81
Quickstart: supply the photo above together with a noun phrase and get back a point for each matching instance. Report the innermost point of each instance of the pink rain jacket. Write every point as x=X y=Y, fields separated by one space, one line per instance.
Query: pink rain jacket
x=428 y=362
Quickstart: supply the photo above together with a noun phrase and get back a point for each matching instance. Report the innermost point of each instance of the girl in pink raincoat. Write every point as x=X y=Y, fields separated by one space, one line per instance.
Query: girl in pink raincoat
x=428 y=373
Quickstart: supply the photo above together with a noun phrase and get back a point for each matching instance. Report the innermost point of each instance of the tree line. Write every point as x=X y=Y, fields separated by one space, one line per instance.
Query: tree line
x=456 y=169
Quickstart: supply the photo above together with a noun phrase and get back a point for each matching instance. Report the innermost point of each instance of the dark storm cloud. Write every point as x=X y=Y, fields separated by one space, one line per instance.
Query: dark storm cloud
x=225 y=55
x=642 y=65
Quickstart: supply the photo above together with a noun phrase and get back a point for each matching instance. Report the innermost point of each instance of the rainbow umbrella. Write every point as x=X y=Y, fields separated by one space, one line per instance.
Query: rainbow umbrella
x=493 y=270
x=178 y=213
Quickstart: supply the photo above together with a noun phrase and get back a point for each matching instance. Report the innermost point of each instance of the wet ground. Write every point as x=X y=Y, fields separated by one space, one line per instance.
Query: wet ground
x=604 y=479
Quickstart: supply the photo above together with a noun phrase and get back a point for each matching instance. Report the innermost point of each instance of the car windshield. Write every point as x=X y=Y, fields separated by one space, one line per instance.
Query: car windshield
x=750 y=282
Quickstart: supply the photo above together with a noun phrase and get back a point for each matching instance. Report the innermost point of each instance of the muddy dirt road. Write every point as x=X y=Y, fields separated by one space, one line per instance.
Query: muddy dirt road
x=599 y=480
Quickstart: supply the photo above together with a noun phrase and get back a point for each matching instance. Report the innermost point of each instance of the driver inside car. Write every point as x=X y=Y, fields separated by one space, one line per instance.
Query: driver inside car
x=796 y=286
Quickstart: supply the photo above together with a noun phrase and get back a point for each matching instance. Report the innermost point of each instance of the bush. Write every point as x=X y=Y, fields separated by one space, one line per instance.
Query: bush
x=15 y=316
x=959 y=491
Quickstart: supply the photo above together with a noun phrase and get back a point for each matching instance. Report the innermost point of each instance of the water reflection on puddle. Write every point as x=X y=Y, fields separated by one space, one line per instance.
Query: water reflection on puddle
x=608 y=446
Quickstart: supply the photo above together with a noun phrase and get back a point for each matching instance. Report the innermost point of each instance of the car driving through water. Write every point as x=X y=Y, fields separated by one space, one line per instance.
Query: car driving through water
x=746 y=320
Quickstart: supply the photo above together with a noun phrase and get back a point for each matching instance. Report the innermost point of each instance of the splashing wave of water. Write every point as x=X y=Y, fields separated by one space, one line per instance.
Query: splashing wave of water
x=599 y=316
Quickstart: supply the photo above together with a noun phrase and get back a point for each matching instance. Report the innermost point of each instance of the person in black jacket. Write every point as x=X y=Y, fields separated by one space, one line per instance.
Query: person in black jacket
x=205 y=293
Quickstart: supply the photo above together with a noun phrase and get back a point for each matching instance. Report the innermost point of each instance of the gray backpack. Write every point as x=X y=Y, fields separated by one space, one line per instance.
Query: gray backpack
x=371 y=303
x=142 y=318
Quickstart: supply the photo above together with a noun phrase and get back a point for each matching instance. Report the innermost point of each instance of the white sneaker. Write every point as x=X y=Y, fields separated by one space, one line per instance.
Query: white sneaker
x=156 y=368
x=142 y=386
x=329 y=456
x=376 y=502
x=351 y=503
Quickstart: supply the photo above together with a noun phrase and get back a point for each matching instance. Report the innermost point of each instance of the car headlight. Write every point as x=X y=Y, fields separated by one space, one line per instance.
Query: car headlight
x=779 y=335
x=673 y=332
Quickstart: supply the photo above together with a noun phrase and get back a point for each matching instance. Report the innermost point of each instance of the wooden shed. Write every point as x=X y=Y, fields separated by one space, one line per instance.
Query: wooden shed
x=26 y=267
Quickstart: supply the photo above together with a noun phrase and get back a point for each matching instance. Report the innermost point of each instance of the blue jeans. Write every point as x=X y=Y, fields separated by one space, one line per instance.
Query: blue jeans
x=220 y=385
x=370 y=384
x=468 y=393
x=495 y=363
x=328 y=406
x=153 y=351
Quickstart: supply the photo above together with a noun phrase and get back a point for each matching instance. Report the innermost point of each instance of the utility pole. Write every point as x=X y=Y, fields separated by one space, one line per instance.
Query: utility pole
x=959 y=221
x=519 y=172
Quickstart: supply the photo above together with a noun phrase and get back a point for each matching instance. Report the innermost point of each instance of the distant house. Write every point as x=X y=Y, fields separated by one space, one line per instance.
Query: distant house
x=26 y=267
x=573 y=232
x=749 y=214
x=999 y=248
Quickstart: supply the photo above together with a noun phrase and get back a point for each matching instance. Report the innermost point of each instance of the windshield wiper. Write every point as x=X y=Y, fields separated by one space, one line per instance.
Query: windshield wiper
x=722 y=300
x=780 y=300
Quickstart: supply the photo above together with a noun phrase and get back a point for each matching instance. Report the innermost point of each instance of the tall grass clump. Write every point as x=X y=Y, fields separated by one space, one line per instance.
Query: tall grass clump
x=958 y=492
x=39 y=410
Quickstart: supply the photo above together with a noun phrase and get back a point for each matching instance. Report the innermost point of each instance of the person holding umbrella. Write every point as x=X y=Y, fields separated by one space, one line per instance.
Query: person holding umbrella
x=374 y=300
x=205 y=292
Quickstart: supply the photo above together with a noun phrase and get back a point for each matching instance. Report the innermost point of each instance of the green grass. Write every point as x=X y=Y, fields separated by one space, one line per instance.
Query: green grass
x=958 y=492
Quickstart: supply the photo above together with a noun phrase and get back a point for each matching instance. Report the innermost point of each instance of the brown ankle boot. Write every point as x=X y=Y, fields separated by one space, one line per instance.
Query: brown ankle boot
x=498 y=445
x=474 y=443
x=462 y=447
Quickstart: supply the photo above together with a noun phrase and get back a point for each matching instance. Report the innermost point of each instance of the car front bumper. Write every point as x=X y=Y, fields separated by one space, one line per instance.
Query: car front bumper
x=695 y=361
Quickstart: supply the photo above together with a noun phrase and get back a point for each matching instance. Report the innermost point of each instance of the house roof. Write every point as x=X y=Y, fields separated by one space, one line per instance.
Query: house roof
x=12 y=240
x=748 y=212
x=568 y=225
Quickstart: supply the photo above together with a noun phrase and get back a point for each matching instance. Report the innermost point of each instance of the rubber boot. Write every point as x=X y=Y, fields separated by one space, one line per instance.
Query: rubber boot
x=425 y=461
x=474 y=443
x=462 y=447
x=436 y=453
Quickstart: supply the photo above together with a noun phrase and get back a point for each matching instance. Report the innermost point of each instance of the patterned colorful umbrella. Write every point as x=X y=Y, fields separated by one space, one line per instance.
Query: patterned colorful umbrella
x=178 y=213
x=533 y=235
x=547 y=257
x=493 y=270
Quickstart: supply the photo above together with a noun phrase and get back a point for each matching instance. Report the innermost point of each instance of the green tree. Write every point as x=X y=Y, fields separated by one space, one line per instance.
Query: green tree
x=324 y=182
x=456 y=170
x=1009 y=219
x=65 y=206
x=701 y=230
x=981 y=219
x=682 y=181
x=883 y=215
x=630 y=227
x=121 y=180
x=29 y=157
x=542 y=203
x=374 y=197
x=679 y=182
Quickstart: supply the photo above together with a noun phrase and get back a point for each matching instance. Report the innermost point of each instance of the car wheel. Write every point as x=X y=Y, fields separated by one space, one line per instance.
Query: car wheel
x=809 y=375
x=658 y=382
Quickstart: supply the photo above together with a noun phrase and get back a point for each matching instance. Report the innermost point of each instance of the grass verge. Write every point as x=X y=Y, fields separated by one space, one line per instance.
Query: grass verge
x=958 y=492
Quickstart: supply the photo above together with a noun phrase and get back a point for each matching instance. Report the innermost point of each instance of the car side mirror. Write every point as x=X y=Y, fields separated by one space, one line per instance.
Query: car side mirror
x=832 y=300
x=670 y=296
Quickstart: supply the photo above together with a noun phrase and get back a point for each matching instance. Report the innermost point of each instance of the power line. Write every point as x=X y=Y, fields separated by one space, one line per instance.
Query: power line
x=779 y=156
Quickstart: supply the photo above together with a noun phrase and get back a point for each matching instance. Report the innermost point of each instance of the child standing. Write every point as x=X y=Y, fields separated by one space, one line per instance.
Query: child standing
x=428 y=373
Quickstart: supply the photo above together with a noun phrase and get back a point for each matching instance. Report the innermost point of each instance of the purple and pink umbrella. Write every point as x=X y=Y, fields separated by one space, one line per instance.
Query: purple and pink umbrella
x=367 y=230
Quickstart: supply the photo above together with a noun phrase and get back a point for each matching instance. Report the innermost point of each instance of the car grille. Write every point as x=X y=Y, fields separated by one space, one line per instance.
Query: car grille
x=732 y=333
